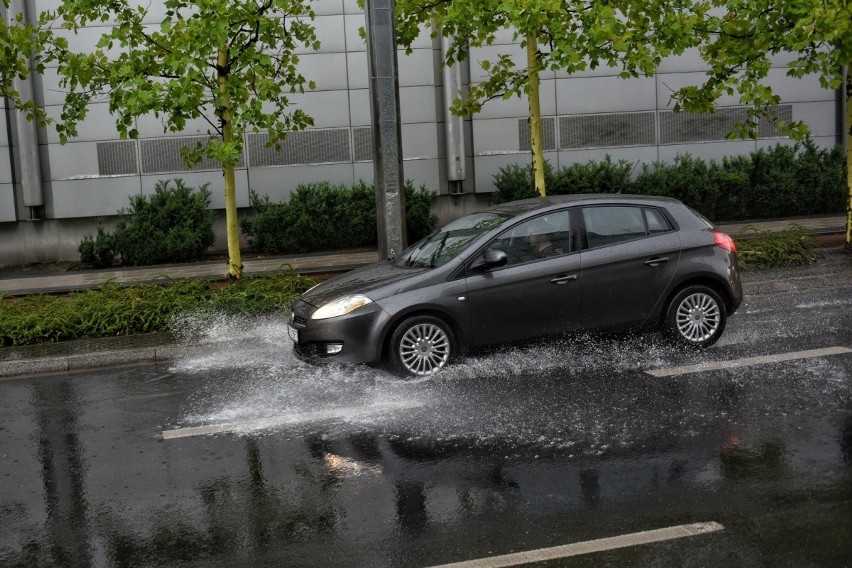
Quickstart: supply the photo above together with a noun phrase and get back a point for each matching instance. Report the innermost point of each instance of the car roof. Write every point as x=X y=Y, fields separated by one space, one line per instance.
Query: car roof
x=514 y=208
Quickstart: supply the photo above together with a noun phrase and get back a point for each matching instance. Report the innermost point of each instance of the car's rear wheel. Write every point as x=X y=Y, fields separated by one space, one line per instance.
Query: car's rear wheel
x=696 y=316
x=421 y=346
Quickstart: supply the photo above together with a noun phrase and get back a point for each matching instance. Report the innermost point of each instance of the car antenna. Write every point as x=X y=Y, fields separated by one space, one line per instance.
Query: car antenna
x=628 y=177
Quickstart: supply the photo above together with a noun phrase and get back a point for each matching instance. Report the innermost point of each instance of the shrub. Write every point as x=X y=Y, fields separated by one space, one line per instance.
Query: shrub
x=98 y=251
x=322 y=216
x=174 y=224
x=772 y=182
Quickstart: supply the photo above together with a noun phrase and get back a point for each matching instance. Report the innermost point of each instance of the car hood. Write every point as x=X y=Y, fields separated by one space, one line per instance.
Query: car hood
x=363 y=280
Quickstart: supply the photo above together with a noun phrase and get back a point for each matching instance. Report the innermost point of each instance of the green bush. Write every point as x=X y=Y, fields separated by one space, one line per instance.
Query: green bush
x=174 y=224
x=772 y=182
x=98 y=251
x=322 y=216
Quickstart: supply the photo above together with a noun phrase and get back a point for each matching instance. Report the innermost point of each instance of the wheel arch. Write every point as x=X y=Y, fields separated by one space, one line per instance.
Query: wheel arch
x=709 y=281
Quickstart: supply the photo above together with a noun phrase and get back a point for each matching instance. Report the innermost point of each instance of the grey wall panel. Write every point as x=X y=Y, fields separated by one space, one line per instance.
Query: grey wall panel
x=4 y=125
x=492 y=53
x=7 y=203
x=600 y=130
x=358 y=70
x=417 y=104
x=495 y=135
x=52 y=93
x=359 y=108
x=5 y=165
x=84 y=39
x=328 y=108
x=517 y=107
x=420 y=140
x=417 y=68
x=708 y=150
x=364 y=171
x=74 y=159
x=689 y=61
x=98 y=125
x=488 y=166
x=327 y=70
x=351 y=7
x=150 y=126
x=92 y=197
x=605 y=94
x=279 y=182
x=772 y=142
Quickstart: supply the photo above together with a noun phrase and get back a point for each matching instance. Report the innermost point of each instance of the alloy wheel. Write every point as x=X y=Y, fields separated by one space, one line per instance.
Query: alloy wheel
x=698 y=317
x=424 y=349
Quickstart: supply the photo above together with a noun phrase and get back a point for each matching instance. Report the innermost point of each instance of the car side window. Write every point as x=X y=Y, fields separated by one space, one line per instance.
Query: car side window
x=657 y=223
x=541 y=237
x=609 y=225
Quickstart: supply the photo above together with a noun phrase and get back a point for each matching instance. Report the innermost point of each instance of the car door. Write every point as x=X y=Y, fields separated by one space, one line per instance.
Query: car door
x=536 y=292
x=630 y=255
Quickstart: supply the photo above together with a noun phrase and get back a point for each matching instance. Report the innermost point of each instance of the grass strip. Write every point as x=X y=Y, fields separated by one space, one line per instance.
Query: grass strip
x=113 y=310
x=759 y=250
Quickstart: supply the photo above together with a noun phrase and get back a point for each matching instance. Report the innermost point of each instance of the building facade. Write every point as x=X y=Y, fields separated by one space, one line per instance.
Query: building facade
x=53 y=194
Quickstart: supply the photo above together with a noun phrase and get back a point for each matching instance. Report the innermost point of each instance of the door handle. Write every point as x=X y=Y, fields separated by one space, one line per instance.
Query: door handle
x=657 y=261
x=563 y=279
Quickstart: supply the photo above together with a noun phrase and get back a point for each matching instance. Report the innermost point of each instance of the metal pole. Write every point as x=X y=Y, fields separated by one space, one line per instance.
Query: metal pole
x=387 y=134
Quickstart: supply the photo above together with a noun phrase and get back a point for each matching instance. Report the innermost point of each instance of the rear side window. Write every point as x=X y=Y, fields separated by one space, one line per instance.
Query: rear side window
x=614 y=224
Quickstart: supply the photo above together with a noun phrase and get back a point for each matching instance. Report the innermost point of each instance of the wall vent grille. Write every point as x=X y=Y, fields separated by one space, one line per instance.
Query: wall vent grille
x=601 y=130
x=162 y=155
x=305 y=147
x=117 y=158
x=363 y=141
x=548 y=134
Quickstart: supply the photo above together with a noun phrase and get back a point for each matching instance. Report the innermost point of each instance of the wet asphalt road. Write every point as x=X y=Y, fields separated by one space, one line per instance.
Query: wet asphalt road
x=505 y=452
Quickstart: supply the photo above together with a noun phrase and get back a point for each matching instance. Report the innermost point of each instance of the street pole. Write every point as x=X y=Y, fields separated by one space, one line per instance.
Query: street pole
x=387 y=134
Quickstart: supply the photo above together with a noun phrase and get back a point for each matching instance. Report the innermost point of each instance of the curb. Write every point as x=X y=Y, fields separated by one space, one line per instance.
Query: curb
x=19 y=368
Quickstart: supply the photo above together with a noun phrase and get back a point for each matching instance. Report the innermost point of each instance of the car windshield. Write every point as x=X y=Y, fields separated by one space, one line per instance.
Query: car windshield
x=447 y=243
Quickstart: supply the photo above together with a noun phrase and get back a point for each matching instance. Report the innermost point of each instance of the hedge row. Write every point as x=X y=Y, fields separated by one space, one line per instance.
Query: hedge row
x=323 y=216
x=777 y=182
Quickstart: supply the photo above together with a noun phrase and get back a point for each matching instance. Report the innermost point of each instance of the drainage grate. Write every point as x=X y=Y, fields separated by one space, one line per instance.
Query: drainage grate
x=306 y=147
x=548 y=134
x=117 y=158
x=614 y=129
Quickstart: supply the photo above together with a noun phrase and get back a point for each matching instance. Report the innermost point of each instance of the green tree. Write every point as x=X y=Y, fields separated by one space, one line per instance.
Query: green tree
x=740 y=39
x=231 y=63
x=20 y=45
x=566 y=35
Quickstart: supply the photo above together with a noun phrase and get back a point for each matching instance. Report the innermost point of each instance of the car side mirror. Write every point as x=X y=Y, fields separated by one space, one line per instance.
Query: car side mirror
x=493 y=258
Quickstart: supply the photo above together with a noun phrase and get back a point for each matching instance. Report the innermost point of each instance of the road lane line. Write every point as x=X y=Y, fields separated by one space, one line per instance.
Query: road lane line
x=589 y=546
x=290 y=419
x=748 y=361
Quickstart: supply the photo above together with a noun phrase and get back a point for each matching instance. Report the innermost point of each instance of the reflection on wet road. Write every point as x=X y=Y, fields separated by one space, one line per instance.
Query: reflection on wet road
x=516 y=450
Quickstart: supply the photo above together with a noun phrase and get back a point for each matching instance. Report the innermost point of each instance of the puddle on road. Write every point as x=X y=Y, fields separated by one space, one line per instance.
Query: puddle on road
x=583 y=396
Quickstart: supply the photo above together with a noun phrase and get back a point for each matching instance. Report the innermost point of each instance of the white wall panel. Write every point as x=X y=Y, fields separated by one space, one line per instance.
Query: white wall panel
x=604 y=94
x=327 y=70
x=419 y=141
x=92 y=197
x=358 y=70
x=353 y=24
x=5 y=165
x=821 y=117
x=74 y=159
x=708 y=150
x=642 y=154
x=417 y=104
x=416 y=69
x=330 y=33
x=99 y=124
x=669 y=82
x=424 y=172
x=328 y=108
x=359 y=107
x=327 y=7
x=495 y=135
x=792 y=90
x=197 y=179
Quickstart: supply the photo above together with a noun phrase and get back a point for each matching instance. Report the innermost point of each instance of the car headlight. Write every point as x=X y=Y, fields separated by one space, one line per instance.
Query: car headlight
x=341 y=306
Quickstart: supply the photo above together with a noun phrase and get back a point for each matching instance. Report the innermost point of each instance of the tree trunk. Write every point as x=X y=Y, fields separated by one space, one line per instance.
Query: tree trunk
x=235 y=264
x=535 y=114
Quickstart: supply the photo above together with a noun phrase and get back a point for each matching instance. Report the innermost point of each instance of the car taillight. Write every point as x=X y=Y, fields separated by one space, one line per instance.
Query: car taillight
x=724 y=241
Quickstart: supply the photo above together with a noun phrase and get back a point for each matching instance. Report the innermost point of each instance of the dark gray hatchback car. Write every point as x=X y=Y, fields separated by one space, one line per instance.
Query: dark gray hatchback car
x=524 y=270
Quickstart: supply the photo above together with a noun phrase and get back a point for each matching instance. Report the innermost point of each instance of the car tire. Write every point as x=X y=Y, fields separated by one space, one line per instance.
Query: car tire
x=421 y=346
x=696 y=317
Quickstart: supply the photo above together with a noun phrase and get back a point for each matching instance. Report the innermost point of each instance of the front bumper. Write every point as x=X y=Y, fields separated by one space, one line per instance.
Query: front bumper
x=358 y=335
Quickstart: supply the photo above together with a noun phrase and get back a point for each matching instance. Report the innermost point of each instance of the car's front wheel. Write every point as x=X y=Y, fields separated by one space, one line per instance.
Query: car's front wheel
x=421 y=346
x=696 y=316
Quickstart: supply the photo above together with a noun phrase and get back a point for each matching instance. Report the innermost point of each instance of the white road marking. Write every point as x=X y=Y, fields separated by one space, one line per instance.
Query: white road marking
x=273 y=421
x=589 y=546
x=748 y=361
